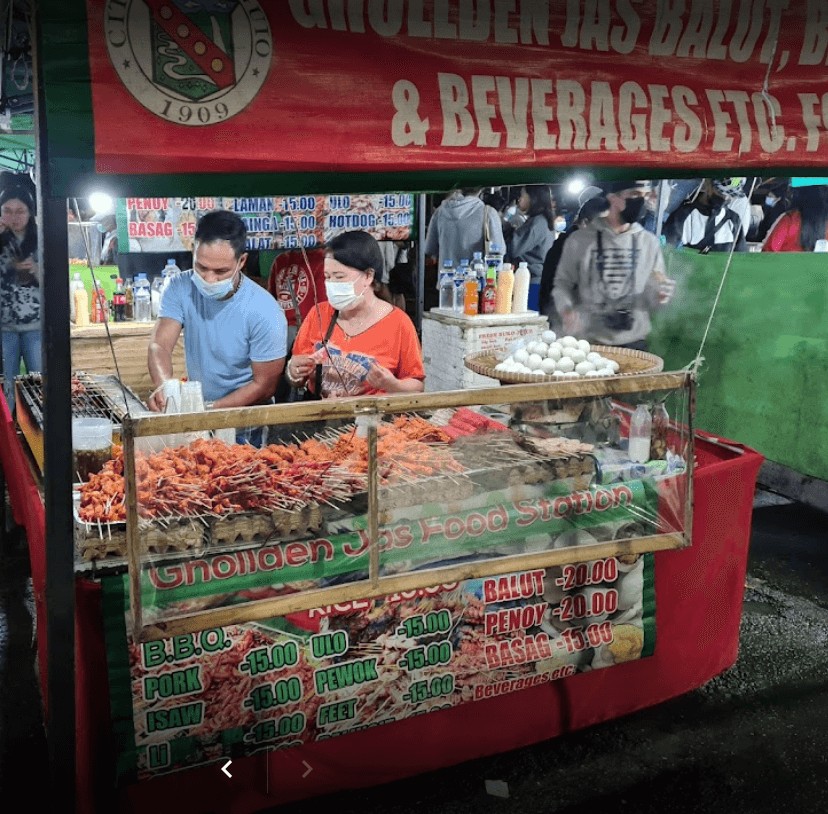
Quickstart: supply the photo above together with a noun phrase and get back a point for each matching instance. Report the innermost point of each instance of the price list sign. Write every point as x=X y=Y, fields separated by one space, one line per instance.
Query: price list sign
x=230 y=691
x=273 y=223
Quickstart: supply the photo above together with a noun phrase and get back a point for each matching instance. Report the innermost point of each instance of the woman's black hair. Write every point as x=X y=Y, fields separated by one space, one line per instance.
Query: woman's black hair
x=28 y=245
x=357 y=250
x=541 y=203
x=812 y=205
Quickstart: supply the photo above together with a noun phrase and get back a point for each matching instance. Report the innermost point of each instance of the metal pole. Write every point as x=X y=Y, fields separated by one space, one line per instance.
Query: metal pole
x=421 y=230
x=57 y=471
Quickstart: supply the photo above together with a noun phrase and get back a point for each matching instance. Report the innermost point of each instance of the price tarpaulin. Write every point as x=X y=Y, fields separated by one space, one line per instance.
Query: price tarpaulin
x=307 y=677
x=334 y=86
x=168 y=224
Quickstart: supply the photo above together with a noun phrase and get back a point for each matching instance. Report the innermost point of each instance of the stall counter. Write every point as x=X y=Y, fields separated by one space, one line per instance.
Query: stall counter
x=700 y=592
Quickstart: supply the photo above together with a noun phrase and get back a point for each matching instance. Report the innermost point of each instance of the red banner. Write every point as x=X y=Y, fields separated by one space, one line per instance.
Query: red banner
x=249 y=86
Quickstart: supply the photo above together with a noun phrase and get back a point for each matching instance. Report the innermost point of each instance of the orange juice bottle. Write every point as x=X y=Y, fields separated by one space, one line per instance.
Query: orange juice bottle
x=471 y=294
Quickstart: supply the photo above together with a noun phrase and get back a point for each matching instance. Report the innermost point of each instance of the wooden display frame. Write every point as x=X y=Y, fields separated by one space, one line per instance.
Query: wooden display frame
x=368 y=410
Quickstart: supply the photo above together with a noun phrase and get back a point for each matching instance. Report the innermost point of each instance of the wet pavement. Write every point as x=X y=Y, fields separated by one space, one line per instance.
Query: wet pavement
x=752 y=741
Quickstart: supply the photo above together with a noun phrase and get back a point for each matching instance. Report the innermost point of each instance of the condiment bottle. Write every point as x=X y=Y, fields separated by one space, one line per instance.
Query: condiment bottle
x=505 y=286
x=470 y=294
x=129 y=300
x=641 y=425
x=661 y=424
x=488 y=297
x=100 y=306
x=520 y=297
x=81 y=307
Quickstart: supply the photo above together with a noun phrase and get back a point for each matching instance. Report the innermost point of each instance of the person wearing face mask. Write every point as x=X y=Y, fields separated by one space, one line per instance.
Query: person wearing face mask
x=362 y=344
x=235 y=333
x=611 y=273
x=531 y=241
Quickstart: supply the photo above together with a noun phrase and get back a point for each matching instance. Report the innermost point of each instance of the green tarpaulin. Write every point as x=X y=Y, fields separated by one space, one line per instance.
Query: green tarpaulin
x=764 y=380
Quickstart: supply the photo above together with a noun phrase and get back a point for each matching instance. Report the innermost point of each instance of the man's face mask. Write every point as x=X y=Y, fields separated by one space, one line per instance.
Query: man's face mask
x=634 y=210
x=214 y=291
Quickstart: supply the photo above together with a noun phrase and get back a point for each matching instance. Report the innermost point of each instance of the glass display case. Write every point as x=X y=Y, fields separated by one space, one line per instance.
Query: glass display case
x=364 y=498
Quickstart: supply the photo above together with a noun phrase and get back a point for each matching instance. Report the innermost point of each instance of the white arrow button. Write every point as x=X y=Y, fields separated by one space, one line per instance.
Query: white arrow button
x=224 y=768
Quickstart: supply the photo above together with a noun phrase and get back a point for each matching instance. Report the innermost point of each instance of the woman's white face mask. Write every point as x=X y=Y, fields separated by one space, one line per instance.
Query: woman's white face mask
x=342 y=295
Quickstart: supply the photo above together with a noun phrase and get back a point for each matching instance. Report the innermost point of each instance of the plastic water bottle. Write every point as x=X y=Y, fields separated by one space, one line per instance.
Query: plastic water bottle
x=460 y=285
x=641 y=427
x=447 y=286
x=160 y=284
x=494 y=259
x=143 y=299
x=170 y=270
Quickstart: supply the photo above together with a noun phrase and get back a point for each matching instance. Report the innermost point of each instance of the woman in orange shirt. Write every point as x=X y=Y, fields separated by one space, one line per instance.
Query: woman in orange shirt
x=364 y=345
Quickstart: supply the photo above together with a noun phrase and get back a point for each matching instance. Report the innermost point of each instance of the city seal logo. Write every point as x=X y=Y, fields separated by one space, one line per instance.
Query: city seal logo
x=191 y=62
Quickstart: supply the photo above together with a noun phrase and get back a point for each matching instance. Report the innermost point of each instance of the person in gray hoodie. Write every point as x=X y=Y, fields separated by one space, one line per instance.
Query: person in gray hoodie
x=531 y=241
x=456 y=229
x=611 y=274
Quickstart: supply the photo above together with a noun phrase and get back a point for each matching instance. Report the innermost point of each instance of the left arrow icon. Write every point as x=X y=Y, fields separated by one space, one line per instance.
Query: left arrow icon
x=224 y=768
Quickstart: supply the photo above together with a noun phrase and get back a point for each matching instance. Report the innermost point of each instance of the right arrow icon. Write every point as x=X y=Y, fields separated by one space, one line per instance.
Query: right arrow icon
x=309 y=769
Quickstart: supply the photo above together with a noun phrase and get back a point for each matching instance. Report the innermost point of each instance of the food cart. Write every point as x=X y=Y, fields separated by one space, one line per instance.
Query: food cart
x=446 y=121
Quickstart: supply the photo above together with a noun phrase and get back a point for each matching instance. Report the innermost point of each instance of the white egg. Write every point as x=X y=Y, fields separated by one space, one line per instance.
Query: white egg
x=565 y=365
x=582 y=368
x=521 y=369
x=606 y=371
x=541 y=348
x=594 y=357
x=547 y=366
x=571 y=375
x=583 y=345
x=577 y=355
x=559 y=374
x=592 y=374
x=534 y=361
x=549 y=336
x=614 y=365
x=555 y=351
x=538 y=372
x=502 y=366
x=521 y=356
x=569 y=341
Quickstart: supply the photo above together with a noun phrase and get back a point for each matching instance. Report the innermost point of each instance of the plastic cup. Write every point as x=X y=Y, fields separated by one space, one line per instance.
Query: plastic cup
x=91 y=445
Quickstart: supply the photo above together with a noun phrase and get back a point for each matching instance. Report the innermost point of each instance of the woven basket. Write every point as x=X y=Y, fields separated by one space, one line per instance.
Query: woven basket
x=630 y=362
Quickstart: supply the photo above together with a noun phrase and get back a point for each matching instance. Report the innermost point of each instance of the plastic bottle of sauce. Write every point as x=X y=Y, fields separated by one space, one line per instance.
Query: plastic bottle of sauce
x=471 y=294
x=100 y=305
x=129 y=300
x=520 y=296
x=81 y=307
x=488 y=297
x=505 y=286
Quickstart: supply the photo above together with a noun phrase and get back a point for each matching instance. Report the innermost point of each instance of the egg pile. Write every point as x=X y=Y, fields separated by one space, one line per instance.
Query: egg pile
x=564 y=358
